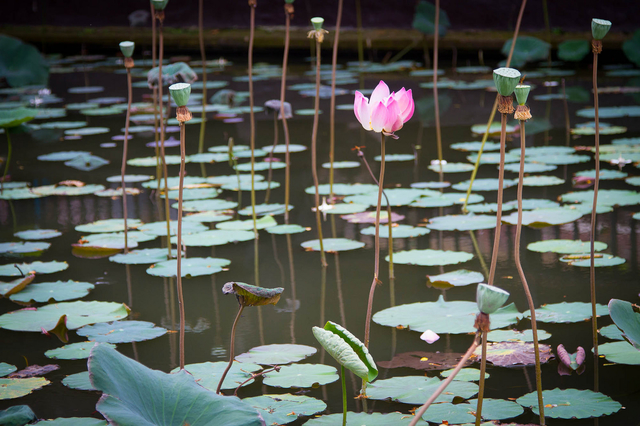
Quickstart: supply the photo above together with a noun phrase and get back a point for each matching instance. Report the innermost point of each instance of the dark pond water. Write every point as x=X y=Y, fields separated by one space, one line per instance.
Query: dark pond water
x=339 y=295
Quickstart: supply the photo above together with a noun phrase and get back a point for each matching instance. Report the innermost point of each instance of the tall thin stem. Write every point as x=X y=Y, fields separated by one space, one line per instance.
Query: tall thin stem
x=275 y=143
x=204 y=80
x=154 y=47
x=162 y=129
x=344 y=395
x=231 y=348
x=252 y=25
x=314 y=155
x=332 y=108
x=6 y=166
x=376 y=267
x=483 y=369
x=283 y=85
x=124 y=162
x=525 y=285
x=179 y=242
x=592 y=266
x=496 y=239
x=435 y=85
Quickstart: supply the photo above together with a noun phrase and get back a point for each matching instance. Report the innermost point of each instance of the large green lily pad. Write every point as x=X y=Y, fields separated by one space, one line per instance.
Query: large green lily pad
x=22 y=247
x=207 y=374
x=417 y=389
x=165 y=399
x=343 y=189
x=276 y=354
x=59 y=291
x=459 y=315
x=620 y=353
x=286 y=229
x=607 y=197
x=514 y=353
x=468 y=222
x=160 y=228
x=285 y=408
x=246 y=225
x=122 y=331
x=484 y=184
x=206 y=205
x=396 y=196
x=6 y=369
x=565 y=246
x=571 y=403
x=627 y=319
x=15 y=388
x=192 y=267
x=584 y=261
x=10 y=270
x=333 y=245
x=301 y=376
x=428 y=257
x=78 y=350
x=567 y=312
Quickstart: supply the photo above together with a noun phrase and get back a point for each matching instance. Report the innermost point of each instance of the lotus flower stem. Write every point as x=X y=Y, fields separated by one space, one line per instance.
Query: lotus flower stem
x=6 y=166
x=154 y=48
x=252 y=27
x=344 y=384
x=496 y=239
x=476 y=247
x=435 y=86
x=493 y=110
x=566 y=114
x=483 y=369
x=445 y=383
x=124 y=161
x=288 y=8
x=275 y=143
x=525 y=285
x=376 y=267
x=332 y=108
x=203 y=57
x=314 y=165
x=231 y=348
x=292 y=277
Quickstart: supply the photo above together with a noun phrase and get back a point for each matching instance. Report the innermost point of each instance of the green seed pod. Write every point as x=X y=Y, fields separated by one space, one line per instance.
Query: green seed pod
x=180 y=93
x=490 y=298
x=126 y=47
x=506 y=79
x=522 y=93
x=600 y=28
x=288 y=1
x=317 y=23
x=159 y=4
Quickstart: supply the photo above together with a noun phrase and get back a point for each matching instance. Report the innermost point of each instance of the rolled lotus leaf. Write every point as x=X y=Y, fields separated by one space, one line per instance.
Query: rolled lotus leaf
x=600 y=28
x=251 y=295
x=126 y=47
x=274 y=106
x=159 y=4
x=573 y=361
x=627 y=319
x=171 y=74
x=506 y=80
x=490 y=298
x=347 y=349
x=522 y=93
x=180 y=93
x=317 y=23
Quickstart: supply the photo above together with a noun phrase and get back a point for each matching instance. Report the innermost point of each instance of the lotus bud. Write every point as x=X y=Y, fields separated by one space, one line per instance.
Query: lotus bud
x=317 y=23
x=490 y=298
x=159 y=4
x=600 y=28
x=506 y=80
x=126 y=47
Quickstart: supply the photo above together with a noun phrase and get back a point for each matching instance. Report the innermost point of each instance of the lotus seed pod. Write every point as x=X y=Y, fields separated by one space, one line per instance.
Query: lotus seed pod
x=288 y=1
x=506 y=79
x=522 y=93
x=180 y=93
x=317 y=23
x=126 y=47
x=490 y=298
x=600 y=28
x=159 y=4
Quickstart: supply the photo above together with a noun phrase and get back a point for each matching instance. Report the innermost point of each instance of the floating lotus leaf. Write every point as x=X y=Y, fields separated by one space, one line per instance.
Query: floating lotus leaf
x=430 y=185
x=530 y=167
x=173 y=182
x=10 y=270
x=373 y=419
x=559 y=159
x=347 y=349
x=417 y=389
x=612 y=332
x=565 y=246
x=67 y=190
x=192 y=267
x=122 y=331
x=573 y=50
x=540 y=218
x=18 y=194
x=208 y=217
x=216 y=237
x=44 y=113
x=164 y=396
x=614 y=157
x=79 y=350
x=15 y=185
x=514 y=353
x=15 y=286
x=246 y=186
x=245 y=225
x=605 y=174
x=286 y=229
x=285 y=408
x=452 y=167
x=343 y=189
x=389 y=158
x=6 y=369
x=73 y=421
x=53 y=291
x=515 y=335
x=276 y=354
x=15 y=117
x=635 y=181
x=469 y=222
x=492 y=409
x=87 y=131
x=611 y=112
x=460 y=316
x=251 y=295
x=626 y=141
x=206 y=157
x=457 y=278
x=265 y=209
x=447 y=199
x=281 y=149
x=485 y=184
x=245 y=153
x=21 y=248
x=15 y=388
x=301 y=376
x=475 y=146
x=465 y=374
x=627 y=319
x=206 y=205
x=160 y=228
x=398 y=231
x=428 y=257
x=495 y=129
x=587 y=208
x=207 y=374
x=62 y=155
x=151 y=161
x=85 y=89
x=587 y=129
x=332 y=245
x=541 y=181
x=370 y=217
x=189 y=194
x=18 y=415
x=92 y=111
x=38 y=234
x=424 y=360
x=22 y=64
x=606 y=197
x=397 y=197
x=489 y=208
x=567 y=312
x=342 y=164
x=108 y=225
x=571 y=403
x=79 y=381
x=620 y=353
x=605 y=260
x=143 y=256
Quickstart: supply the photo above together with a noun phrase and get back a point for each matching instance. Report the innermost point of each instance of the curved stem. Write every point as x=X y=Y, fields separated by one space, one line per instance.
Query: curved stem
x=124 y=162
x=344 y=390
x=496 y=239
x=376 y=268
x=285 y=127
x=446 y=382
x=314 y=165
x=231 y=348
x=483 y=369
x=6 y=166
x=332 y=108
x=525 y=285
x=592 y=266
x=252 y=6
x=179 y=243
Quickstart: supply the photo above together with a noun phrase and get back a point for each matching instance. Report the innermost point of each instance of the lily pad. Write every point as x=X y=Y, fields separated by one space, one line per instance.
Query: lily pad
x=207 y=374
x=515 y=335
x=452 y=167
x=530 y=167
x=206 y=205
x=286 y=229
x=540 y=218
x=122 y=331
x=514 y=353
x=108 y=225
x=208 y=217
x=265 y=209
x=603 y=261
x=342 y=165
x=492 y=409
x=475 y=146
x=73 y=421
x=79 y=350
x=216 y=237
x=396 y=196
x=15 y=388
x=68 y=190
x=428 y=257
x=628 y=320
x=417 y=389
x=492 y=157
x=53 y=291
x=620 y=353
x=446 y=200
x=301 y=376
x=6 y=369
x=370 y=217
x=373 y=419
x=246 y=186
x=558 y=159
x=21 y=248
x=605 y=174
x=612 y=332
x=565 y=246
x=457 y=278
x=10 y=270
x=567 y=312
x=606 y=197
x=276 y=354
x=397 y=231
x=343 y=189
x=469 y=222
x=160 y=228
x=245 y=225
x=541 y=181
x=285 y=408
x=192 y=267
x=62 y=155
x=79 y=381
x=38 y=234
x=465 y=374
x=15 y=286
x=332 y=245
x=143 y=256
x=489 y=208
x=571 y=403
x=460 y=316
x=18 y=415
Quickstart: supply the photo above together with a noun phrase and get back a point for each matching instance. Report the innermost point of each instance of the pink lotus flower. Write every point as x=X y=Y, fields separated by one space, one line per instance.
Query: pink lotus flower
x=385 y=112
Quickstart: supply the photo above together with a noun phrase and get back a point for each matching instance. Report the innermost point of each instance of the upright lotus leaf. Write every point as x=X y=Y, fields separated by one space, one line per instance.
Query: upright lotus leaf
x=18 y=415
x=573 y=50
x=136 y=395
x=12 y=117
x=528 y=49
x=251 y=295
x=631 y=48
x=627 y=319
x=22 y=64
x=347 y=349
x=171 y=74
x=424 y=19
x=273 y=105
